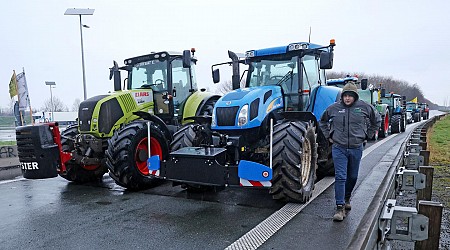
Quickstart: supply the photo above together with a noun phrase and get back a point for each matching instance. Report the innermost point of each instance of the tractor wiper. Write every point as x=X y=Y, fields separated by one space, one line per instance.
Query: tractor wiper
x=285 y=78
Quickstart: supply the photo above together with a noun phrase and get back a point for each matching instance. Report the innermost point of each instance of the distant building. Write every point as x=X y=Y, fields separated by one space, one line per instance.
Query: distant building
x=63 y=118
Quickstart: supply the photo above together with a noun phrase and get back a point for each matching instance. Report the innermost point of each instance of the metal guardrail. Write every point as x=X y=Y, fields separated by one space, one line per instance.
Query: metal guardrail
x=368 y=235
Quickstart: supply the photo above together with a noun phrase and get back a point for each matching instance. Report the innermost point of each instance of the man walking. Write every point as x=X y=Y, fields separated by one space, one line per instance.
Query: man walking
x=348 y=124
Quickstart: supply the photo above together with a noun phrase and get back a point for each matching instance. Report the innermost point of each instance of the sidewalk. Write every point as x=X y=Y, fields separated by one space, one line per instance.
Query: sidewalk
x=9 y=168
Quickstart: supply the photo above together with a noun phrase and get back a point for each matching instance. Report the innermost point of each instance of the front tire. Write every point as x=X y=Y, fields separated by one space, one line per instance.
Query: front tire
x=396 y=123
x=294 y=161
x=127 y=155
x=77 y=172
x=384 y=130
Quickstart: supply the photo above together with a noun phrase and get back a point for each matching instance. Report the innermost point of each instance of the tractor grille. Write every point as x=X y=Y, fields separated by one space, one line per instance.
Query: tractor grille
x=85 y=112
x=128 y=102
x=226 y=116
x=110 y=113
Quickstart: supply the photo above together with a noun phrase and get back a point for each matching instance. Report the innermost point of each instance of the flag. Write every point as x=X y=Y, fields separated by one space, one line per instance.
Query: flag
x=414 y=100
x=22 y=89
x=13 y=85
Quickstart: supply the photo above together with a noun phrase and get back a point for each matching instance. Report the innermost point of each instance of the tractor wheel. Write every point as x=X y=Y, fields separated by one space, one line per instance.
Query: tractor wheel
x=416 y=117
x=294 y=161
x=189 y=136
x=325 y=168
x=74 y=171
x=403 y=123
x=384 y=129
x=396 y=123
x=127 y=155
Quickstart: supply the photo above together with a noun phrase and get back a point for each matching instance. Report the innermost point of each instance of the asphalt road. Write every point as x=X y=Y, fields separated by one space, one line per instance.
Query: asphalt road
x=56 y=214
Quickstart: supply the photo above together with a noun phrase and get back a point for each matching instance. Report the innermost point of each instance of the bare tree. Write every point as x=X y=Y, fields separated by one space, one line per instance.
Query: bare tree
x=226 y=86
x=76 y=104
x=58 y=105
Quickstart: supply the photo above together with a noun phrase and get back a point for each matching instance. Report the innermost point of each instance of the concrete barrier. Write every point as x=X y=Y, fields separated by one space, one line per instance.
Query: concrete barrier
x=9 y=163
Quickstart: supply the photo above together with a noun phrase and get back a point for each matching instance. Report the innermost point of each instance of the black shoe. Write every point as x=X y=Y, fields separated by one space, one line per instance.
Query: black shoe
x=340 y=213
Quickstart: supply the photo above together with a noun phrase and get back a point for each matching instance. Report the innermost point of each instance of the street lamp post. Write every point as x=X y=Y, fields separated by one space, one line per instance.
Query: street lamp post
x=80 y=12
x=51 y=84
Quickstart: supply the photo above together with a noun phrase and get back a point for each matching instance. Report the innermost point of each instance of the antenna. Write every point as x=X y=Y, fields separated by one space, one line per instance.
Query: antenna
x=309 y=37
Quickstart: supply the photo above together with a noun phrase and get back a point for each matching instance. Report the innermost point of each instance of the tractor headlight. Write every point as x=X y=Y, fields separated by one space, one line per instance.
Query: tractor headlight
x=243 y=115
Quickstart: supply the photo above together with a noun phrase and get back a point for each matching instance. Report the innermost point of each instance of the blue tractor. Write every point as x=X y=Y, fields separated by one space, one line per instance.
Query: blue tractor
x=264 y=135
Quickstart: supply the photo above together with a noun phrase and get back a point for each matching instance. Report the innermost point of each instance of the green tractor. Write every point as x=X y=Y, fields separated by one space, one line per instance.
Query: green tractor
x=159 y=87
x=397 y=110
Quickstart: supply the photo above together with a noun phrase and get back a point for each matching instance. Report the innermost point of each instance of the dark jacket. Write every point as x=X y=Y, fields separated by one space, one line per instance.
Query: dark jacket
x=350 y=126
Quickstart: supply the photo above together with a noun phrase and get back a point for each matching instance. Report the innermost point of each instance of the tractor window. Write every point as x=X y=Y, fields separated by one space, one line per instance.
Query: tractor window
x=274 y=72
x=150 y=74
x=181 y=81
x=310 y=76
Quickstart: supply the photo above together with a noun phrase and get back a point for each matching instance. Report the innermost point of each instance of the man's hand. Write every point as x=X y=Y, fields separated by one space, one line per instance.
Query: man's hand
x=330 y=140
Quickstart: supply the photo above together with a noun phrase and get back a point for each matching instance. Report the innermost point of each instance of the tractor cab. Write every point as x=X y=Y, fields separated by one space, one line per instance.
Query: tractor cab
x=166 y=78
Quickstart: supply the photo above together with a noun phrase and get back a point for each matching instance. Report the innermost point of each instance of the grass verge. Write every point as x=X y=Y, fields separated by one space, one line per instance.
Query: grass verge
x=439 y=147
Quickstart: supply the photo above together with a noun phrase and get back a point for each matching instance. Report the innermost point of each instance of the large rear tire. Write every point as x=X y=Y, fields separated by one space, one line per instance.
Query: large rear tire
x=403 y=123
x=416 y=117
x=76 y=172
x=127 y=154
x=294 y=161
x=396 y=124
x=384 y=129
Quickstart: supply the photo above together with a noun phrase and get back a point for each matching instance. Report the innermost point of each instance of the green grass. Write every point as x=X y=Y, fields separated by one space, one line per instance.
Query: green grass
x=7 y=143
x=439 y=146
x=439 y=142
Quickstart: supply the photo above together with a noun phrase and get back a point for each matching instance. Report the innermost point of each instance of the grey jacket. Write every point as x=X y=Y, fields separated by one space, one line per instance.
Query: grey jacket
x=349 y=126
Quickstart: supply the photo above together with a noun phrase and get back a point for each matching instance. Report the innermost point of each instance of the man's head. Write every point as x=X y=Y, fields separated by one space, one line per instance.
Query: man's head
x=349 y=94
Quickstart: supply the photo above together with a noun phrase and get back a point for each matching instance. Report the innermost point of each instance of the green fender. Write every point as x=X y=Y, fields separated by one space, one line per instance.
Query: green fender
x=194 y=103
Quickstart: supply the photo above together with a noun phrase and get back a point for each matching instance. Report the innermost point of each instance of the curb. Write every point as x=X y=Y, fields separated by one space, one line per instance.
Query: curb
x=9 y=168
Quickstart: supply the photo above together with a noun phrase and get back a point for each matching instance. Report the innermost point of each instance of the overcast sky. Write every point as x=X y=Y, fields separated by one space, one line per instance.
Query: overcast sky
x=406 y=39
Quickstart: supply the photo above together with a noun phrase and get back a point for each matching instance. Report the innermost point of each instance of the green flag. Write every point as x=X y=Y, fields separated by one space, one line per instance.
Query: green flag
x=13 y=85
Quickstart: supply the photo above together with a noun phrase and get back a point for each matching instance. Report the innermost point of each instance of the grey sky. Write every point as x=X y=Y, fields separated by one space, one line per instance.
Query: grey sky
x=405 y=39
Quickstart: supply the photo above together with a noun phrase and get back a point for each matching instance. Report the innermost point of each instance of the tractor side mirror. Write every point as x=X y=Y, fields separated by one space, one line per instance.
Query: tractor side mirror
x=115 y=73
x=326 y=60
x=363 y=84
x=216 y=75
x=186 y=58
x=383 y=92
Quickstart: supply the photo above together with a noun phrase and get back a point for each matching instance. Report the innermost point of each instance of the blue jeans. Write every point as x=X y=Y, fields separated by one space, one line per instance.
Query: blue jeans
x=346 y=167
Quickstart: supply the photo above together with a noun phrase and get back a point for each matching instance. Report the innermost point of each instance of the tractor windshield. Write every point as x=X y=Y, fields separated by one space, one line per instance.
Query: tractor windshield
x=411 y=106
x=274 y=72
x=149 y=74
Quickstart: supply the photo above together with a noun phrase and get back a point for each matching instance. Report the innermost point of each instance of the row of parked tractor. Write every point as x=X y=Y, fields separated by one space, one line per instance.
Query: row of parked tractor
x=158 y=126
x=393 y=108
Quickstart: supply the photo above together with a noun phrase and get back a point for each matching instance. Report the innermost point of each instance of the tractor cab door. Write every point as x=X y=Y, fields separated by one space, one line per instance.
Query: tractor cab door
x=310 y=79
x=183 y=85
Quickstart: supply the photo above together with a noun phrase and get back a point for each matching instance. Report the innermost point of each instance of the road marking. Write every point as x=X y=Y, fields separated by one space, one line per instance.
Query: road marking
x=10 y=181
x=268 y=227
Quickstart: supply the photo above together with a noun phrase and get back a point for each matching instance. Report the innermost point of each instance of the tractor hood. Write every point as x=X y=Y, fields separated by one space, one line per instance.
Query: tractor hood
x=246 y=108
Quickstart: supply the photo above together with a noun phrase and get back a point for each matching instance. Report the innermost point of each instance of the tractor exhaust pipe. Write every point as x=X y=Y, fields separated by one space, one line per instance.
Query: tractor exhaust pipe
x=235 y=78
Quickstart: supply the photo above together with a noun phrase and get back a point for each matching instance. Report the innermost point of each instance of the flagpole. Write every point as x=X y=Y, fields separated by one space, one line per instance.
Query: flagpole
x=18 y=99
x=29 y=99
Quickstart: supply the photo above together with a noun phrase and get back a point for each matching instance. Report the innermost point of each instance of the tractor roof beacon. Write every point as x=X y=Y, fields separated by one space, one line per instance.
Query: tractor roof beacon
x=263 y=135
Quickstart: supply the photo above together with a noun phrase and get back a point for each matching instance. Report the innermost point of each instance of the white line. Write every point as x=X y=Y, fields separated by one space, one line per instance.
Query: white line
x=10 y=181
x=268 y=227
